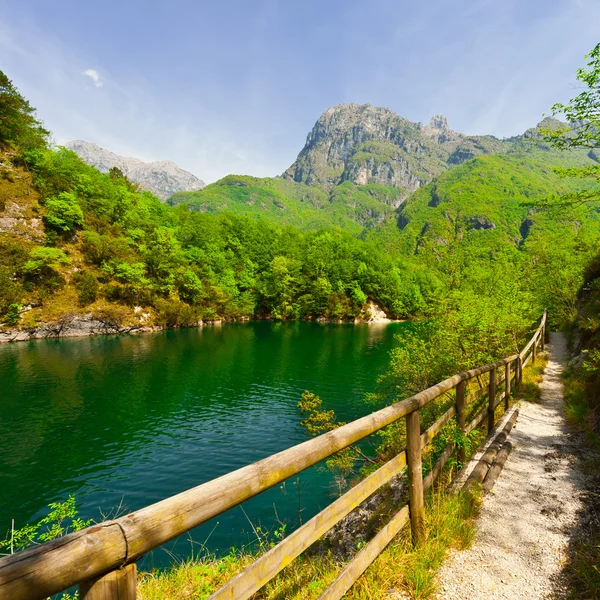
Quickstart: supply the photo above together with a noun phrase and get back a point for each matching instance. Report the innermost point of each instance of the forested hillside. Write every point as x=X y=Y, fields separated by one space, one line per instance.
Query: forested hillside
x=75 y=241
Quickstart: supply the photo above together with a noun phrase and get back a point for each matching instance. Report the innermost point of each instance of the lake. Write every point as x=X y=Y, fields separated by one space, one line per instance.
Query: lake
x=125 y=421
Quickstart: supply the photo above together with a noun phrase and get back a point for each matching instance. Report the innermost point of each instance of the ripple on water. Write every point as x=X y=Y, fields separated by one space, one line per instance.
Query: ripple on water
x=136 y=419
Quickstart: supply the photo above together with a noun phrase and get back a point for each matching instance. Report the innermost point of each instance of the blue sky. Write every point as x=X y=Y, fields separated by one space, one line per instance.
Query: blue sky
x=234 y=87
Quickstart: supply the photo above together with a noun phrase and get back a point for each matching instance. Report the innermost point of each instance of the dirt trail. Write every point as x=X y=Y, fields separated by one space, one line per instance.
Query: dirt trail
x=524 y=527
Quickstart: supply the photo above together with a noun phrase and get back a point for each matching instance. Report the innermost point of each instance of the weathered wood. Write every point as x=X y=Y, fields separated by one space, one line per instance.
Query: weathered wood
x=481 y=469
x=430 y=478
x=499 y=399
x=460 y=417
x=506 y=385
x=543 y=338
x=267 y=566
x=359 y=564
x=491 y=400
x=496 y=467
x=535 y=335
x=429 y=434
x=520 y=370
x=116 y=585
x=41 y=571
x=415 y=476
x=534 y=351
x=156 y=524
x=477 y=394
x=58 y=565
x=477 y=420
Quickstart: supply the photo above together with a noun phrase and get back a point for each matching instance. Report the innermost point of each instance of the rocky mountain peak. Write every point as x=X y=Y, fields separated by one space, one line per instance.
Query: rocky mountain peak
x=162 y=177
x=366 y=144
x=439 y=122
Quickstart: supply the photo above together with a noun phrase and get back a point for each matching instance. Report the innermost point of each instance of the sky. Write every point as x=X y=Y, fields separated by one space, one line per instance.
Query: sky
x=235 y=86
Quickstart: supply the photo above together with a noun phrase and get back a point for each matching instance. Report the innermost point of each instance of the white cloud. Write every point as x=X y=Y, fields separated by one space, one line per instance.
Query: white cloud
x=130 y=117
x=94 y=76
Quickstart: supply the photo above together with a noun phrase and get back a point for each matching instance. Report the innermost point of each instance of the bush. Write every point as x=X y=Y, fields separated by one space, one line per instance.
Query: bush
x=174 y=313
x=87 y=287
x=43 y=264
x=190 y=287
x=98 y=248
x=12 y=315
x=63 y=213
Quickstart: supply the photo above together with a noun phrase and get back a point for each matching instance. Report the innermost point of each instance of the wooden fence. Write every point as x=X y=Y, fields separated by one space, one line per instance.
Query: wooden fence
x=102 y=559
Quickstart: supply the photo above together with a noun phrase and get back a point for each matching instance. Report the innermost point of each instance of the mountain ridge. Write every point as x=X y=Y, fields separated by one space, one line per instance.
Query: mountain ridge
x=358 y=166
x=365 y=144
x=161 y=177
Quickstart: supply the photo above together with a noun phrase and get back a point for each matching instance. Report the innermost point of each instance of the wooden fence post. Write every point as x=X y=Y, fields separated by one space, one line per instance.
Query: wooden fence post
x=519 y=374
x=543 y=344
x=534 y=351
x=491 y=399
x=506 y=385
x=460 y=417
x=116 y=585
x=415 y=476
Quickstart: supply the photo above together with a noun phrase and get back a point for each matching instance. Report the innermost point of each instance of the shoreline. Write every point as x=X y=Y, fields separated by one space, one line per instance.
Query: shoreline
x=86 y=325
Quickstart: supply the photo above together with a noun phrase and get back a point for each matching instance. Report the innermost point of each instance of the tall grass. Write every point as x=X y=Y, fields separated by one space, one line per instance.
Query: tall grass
x=400 y=568
x=582 y=567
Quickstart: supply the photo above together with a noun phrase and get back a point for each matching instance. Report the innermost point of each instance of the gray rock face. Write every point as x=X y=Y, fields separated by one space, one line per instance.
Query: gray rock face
x=162 y=177
x=70 y=326
x=370 y=145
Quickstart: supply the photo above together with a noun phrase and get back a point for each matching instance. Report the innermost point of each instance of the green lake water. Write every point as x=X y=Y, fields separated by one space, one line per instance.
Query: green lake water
x=130 y=420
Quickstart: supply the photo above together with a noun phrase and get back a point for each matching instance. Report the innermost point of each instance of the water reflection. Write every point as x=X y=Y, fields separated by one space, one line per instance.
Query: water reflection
x=139 y=418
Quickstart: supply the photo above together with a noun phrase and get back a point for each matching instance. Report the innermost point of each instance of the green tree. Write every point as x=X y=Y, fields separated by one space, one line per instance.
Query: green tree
x=43 y=259
x=87 y=287
x=582 y=114
x=18 y=126
x=63 y=213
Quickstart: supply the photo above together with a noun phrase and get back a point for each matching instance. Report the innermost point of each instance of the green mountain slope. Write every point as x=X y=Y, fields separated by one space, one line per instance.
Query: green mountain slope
x=485 y=195
x=349 y=206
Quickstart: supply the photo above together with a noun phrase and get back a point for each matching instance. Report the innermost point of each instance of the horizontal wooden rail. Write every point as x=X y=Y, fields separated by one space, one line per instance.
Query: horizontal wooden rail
x=86 y=556
x=267 y=566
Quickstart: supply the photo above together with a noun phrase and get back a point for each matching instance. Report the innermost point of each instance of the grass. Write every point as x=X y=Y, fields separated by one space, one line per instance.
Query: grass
x=577 y=408
x=401 y=567
x=533 y=374
x=582 y=567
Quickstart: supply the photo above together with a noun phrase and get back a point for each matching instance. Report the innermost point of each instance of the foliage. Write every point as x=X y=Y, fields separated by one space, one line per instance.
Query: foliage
x=582 y=110
x=44 y=263
x=349 y=206
x=143 y=253
x=87 y=286
x=18 y=126
x=320 y=421
x=581 y=131
x=400 y=569
x=63 y=213
x=61 y=519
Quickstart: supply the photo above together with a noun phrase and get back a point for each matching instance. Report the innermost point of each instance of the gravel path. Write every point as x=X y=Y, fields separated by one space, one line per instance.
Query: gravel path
x=526 y=519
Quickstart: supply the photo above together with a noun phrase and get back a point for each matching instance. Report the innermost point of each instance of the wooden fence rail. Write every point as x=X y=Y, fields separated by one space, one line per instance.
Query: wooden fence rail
x=101 y=559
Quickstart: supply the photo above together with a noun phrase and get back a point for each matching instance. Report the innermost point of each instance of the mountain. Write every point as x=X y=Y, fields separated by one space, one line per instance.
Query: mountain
x=370 y=145
x=85 y=250
x=162 y=177
x=358 y=166
x=307 y=207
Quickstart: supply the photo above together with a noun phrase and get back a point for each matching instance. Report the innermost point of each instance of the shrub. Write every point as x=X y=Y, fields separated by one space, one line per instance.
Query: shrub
x=11 y=316
x=174 y=313
x=87 y=287
x=63 y=213
x=190 y=287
